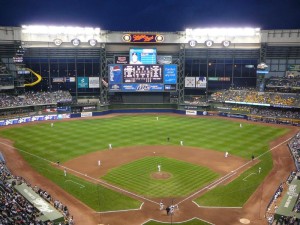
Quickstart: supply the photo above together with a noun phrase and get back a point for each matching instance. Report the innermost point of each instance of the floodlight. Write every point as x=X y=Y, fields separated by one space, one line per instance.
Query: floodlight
x=209 y=43
x=92 y=42
x=75 y=42
x=192 y=43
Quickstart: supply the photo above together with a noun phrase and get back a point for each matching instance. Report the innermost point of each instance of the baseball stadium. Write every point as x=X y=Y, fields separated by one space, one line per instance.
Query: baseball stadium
x=192 y=127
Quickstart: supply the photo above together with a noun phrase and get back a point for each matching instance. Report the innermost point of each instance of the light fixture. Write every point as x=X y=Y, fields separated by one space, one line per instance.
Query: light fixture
x=209 y=43
x=192 y=43
x=92 y=42
x=57 y=42
x=226 y=43
x=75 y=42
x=43 y=29
x=159 y=38
x=233 y=31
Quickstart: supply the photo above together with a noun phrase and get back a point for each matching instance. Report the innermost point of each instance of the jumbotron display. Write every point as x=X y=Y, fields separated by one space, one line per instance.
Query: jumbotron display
x=142 y=55
x=132 y=78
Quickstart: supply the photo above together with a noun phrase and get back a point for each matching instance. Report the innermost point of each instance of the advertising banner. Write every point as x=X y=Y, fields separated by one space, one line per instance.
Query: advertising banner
x=83 y=82
x=86 y=114
x=201 y=82
x=170 y=74
x=94 y=82
x=191 y=112
x=164 y=59
x=115 y=74
x=121 y=59
x=190 y=82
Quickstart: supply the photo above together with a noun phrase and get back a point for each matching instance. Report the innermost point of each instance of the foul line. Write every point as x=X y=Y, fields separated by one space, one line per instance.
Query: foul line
x=228 y=175
x=123 y=210
x=81 y=186
x=248 y=176
x=216 y=207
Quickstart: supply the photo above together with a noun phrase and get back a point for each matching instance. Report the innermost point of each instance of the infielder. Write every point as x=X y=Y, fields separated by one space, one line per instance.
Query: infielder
x=109 y=146
x=226 y=154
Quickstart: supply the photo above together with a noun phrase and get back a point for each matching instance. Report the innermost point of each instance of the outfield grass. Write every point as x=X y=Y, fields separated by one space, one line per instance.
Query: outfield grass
x=190 y=222
x=69 y=139
x=136 y=176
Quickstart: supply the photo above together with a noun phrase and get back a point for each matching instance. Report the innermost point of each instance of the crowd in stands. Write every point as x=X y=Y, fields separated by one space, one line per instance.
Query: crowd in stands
x=294 y=146
x=253 y=96
x=15 y=209
x=291 y=81
x=278 y=113
x=34 y=98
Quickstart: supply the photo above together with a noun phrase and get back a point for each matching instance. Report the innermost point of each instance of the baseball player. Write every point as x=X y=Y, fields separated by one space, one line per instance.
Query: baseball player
x=181 y=143
x=109 y=146
x=99 y=163
x=158 y=167
x=161 y=205
x=226 y=154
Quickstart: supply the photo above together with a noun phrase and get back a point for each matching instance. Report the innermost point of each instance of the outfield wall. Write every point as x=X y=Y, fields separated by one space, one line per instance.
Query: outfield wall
x=27 y=119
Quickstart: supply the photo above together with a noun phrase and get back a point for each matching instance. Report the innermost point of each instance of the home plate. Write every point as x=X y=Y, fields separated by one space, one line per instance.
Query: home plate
x=244 y=221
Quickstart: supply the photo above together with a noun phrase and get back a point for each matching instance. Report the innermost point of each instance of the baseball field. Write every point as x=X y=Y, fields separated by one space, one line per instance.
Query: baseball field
x=129 y=176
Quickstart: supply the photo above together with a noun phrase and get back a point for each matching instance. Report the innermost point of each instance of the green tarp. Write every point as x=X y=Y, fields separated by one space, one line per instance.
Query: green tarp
x=289 y=200
x=49 y=212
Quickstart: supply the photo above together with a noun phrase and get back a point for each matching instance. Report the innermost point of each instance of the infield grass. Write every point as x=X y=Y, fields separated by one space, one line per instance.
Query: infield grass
x=136 y=176
x=70 y=139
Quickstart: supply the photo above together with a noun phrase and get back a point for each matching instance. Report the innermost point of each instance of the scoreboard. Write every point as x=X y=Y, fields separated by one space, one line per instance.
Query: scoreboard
x=144 y=77
x=142 y=74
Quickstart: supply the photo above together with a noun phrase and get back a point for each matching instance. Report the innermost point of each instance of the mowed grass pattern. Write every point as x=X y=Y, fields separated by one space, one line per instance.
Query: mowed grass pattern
x=73 y=138
x=136 y=176
x=69 y=139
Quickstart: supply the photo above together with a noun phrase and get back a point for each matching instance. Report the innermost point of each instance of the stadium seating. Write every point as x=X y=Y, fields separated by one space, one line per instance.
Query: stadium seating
x=15 y=209
x=34 y=98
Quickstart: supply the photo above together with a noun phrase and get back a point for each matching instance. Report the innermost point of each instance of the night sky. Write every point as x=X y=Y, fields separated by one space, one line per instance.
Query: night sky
x=155 y=15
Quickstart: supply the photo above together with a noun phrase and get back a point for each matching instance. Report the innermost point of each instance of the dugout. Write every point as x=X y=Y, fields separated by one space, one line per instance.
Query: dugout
x=289 y=200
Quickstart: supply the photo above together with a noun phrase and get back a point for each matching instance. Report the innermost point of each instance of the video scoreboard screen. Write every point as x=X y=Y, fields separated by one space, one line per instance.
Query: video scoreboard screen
x=142 y=74
x=132 y=78
x=142 y=56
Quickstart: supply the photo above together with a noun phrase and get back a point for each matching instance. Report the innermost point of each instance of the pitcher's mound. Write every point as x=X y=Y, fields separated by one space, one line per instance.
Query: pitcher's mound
x=161 y=175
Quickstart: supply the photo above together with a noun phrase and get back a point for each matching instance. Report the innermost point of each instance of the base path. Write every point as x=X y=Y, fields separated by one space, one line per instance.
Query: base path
x=253 y=210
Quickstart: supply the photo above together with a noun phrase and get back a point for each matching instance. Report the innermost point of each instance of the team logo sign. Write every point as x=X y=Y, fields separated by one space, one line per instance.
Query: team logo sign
x=143 y=38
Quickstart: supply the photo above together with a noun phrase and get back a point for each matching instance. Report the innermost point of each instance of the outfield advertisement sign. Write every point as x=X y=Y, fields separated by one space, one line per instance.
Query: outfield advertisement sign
x=86 y=114
x=28 y=119
x=144 y=77
x=191 y=112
